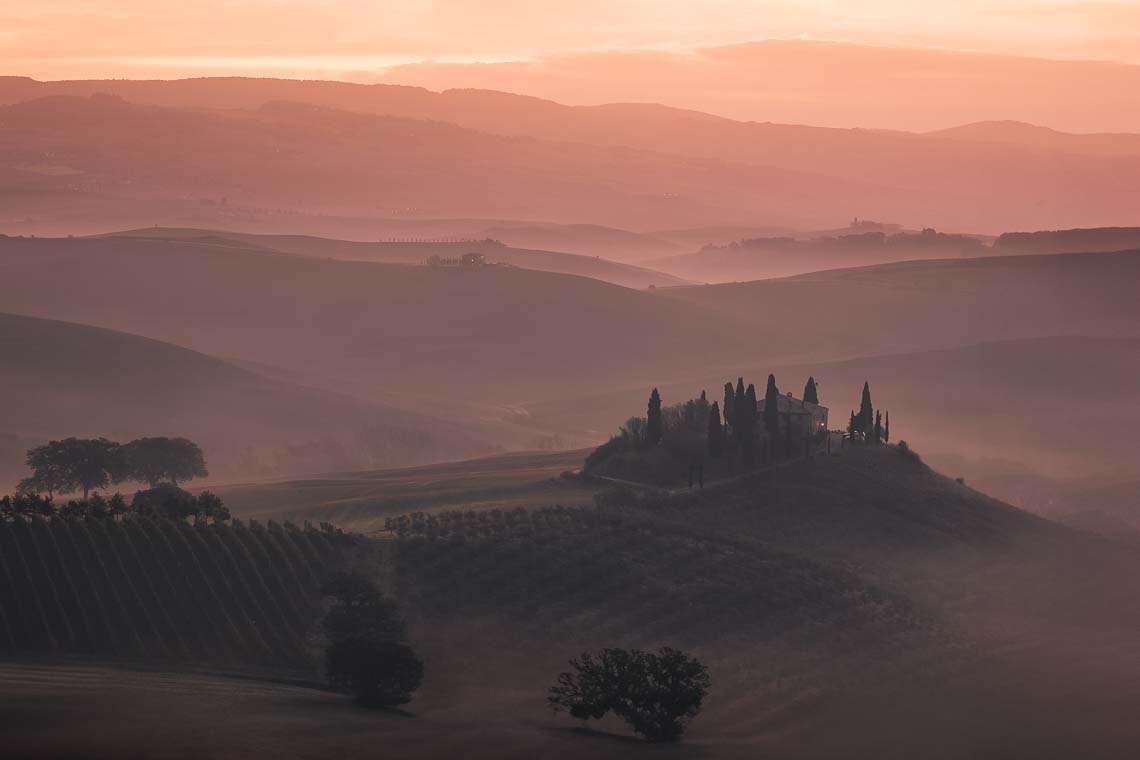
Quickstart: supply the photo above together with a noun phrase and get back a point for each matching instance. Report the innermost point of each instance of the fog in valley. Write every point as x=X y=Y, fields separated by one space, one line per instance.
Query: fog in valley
x=766 y=399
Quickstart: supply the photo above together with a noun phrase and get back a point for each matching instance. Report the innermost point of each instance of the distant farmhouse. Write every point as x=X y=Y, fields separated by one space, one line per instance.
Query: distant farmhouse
x=466 y=260
x=803 y=417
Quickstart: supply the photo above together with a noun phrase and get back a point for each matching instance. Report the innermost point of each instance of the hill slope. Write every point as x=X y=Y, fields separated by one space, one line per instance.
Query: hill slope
x=434 y=336
x=920 y=305
x=417 y=253
x=60 y=379
x=156 y=590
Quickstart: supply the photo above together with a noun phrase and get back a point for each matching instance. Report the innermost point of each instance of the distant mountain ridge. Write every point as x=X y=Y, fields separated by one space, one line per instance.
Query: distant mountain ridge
x=920 y=179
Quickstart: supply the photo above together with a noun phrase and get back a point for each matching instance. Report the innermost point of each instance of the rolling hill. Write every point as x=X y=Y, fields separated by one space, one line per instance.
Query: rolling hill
x=414 y=252
x=60 y=379
x=321 y=161
x=921 y=305
x=401 y=335
x=817 y=593
x=644 y=152
x=766 y=257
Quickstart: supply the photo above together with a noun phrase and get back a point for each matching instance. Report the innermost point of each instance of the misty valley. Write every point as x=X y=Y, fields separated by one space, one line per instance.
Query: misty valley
x=345 y=419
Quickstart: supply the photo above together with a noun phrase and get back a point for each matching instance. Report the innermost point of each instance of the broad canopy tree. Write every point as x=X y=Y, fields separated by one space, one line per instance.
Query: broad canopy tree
x=656 y=693
x=73 y=464
x=164 y=460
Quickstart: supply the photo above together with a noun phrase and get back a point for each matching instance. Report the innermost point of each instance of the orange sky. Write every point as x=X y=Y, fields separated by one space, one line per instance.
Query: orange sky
x=354 y=39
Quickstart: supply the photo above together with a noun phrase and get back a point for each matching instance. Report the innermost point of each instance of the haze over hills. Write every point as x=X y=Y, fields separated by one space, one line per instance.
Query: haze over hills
x=343 y=163
x=861 y=244
x=418 y=253
x=496 y=367
x=932 y=304
x=799 y=176
x=60 y=379
x=1029 y=136
x=422 y=335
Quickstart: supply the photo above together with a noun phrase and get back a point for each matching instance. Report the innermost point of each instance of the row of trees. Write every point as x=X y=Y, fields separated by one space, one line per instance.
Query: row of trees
x=86 y=464
x=164 y=501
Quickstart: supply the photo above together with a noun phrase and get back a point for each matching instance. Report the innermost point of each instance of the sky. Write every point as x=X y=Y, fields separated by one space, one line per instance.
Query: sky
x=357 y=39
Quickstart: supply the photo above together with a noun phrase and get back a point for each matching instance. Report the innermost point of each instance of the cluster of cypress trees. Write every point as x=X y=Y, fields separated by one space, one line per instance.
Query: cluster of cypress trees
x=868 y=424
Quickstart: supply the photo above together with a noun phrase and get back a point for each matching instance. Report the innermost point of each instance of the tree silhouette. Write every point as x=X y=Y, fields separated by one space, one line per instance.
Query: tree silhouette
x=878 y=427
x=749 y=417
x=729 y=415
x=160 y=459
x=772 y=409
x=866 y=417
x=811 y=394
x=73 y=464
x=656 y=693
x=716 y=432
x=654 y=425
x=887 y=429
x=366 y=655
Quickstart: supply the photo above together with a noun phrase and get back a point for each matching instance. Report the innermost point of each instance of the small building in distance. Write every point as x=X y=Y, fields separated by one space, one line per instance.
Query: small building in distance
x=466 y=260
x=805 y=418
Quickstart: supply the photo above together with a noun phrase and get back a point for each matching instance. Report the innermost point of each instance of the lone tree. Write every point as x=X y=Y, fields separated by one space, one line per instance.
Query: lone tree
x=164 y=460
x=811 y=394
x=866 y=416
x=366 y=653
x=656 y=693
x=73 y=464
x=654 y=424
x=716 y=432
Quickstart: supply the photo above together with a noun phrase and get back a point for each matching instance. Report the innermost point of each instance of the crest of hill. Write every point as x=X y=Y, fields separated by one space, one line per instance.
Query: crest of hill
x=626 y=275
x=1032 y=137
x=63 y=379
x=1069 y=241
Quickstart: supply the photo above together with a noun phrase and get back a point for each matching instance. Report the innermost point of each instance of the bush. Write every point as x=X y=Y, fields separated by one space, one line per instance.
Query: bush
x=906 y=451
x=655 y=693
x=377 y=673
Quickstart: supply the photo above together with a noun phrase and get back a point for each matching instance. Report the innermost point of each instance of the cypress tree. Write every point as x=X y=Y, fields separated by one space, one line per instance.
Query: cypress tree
x=866 y=412
x=887 y=429
x=749 y=416
x=878 y=427
x=729 y=397
x=852 y=425
x=811 y=394
x=654 y=426
x=716 y=432
x=772 y=409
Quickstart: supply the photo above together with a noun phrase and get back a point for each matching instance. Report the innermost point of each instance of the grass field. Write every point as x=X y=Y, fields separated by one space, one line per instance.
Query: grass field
x=360 y=501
